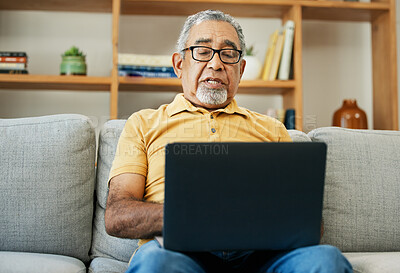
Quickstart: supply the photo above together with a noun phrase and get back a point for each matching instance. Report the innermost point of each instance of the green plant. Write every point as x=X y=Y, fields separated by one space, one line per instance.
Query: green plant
x=74 y=51
x=250 y=51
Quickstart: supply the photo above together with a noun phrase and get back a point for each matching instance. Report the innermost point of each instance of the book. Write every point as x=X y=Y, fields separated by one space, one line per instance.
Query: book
x=146 y=71
x=13 y=71
x=284 y=67
x=144 y=60
x=291 y=71
x=146 y=74
x=16 y=66
x=290 y=119
x=12 y=54
x=277 y=55
x=269 y=55
x=13 y=59
x=146 y=68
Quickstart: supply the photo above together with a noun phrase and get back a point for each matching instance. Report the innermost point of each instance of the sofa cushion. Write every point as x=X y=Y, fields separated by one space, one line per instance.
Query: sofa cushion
x=362 y=189
x=39 y=263
x=104 y=245
x=374 y=262
x=107 y=246
x=299 y=136
x=47 y=184
x=105 y=265
x=108 y=140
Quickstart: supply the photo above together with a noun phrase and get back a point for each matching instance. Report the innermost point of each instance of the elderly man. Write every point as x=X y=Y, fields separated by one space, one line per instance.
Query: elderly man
x=209 y=62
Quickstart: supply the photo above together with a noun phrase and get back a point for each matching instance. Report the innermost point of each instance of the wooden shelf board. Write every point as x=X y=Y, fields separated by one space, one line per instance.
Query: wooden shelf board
x=238 y=8
x=58 y=5
x=266 y=87
x=149 y=84
x=49 y=82
x=343 y=11
x=321 y=10
x=174 y=85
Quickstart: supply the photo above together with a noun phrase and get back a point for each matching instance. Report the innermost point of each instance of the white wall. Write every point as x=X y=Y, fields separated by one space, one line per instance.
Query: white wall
x=45 y=36
x=337 y=65
x=336 y=62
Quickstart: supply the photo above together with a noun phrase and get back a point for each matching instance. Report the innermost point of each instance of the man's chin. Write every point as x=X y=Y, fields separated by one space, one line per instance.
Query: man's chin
x=212 y=98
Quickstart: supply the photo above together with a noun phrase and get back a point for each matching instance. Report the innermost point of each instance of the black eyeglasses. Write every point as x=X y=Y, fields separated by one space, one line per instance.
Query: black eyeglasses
x=205 y=54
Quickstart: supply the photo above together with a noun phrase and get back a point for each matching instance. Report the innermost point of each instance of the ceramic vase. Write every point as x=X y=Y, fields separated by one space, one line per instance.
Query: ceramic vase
x=252 y=70
x=73 y=65
x=350 y=116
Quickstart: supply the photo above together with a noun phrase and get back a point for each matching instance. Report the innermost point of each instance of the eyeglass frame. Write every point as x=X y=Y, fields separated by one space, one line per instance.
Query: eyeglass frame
x=191 y=48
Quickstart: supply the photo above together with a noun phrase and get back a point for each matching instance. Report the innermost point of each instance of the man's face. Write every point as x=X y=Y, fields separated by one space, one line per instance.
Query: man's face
x=211 y=84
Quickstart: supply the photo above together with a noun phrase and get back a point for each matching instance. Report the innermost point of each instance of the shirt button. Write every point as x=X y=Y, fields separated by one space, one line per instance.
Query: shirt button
x=212 y=117
x=213 y=130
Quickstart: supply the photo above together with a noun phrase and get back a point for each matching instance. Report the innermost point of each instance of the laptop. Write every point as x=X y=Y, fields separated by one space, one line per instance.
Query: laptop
x=243 y=196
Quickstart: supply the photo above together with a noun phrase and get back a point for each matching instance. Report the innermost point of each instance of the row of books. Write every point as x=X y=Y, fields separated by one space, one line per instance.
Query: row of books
x=278 y=62
x=150 y=66
x=13 y=62
x=287 y=117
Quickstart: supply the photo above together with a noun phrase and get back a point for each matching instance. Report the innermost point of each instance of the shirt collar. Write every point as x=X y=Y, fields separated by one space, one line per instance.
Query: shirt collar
x=181 y=104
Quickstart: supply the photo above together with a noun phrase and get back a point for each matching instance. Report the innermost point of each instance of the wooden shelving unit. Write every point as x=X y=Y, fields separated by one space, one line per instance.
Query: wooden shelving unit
x=381 y=14
x=42 y=82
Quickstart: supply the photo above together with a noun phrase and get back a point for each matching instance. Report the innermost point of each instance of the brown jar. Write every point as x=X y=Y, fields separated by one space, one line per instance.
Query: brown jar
x=350 y=116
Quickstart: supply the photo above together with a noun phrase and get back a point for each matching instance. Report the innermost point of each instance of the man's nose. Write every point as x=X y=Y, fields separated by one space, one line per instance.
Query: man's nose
x=215 y=63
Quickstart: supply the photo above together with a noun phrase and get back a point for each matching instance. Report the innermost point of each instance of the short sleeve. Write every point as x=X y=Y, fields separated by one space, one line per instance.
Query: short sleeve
x=131 y=155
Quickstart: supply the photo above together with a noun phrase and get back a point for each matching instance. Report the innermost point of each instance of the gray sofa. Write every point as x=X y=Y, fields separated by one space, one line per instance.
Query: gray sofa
x=52 y=196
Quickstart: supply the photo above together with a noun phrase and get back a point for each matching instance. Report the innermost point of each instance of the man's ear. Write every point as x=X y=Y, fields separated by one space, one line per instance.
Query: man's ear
x=242 y=66
x=177 y=63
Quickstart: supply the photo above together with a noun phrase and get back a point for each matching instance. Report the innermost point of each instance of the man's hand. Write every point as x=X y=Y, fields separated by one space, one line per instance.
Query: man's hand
x=127 y=215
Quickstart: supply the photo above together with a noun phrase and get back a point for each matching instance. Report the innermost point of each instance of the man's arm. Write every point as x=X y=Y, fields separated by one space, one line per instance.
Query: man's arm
x=127 y=215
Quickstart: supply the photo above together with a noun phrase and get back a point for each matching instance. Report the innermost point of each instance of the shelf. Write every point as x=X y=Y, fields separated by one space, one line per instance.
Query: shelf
x=266 y=87
x=48 y=82
x=174 y=85
x=149 y=84
x=58 y=5
x=250 y=8
x=318 y=10
x=315 y=10
x=343 y=11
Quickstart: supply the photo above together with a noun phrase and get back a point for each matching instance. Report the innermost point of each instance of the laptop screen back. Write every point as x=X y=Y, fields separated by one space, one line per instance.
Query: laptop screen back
x=241 y=196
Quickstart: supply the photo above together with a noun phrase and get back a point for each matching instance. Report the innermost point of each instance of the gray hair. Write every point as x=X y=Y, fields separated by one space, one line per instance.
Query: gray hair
x=208 y=15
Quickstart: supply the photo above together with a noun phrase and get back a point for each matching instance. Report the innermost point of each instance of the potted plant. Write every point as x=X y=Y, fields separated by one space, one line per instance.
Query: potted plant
x=252 y=70
x=73 y=62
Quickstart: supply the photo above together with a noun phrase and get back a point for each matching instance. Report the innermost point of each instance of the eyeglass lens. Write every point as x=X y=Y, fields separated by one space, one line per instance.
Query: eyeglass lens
x=206 y=54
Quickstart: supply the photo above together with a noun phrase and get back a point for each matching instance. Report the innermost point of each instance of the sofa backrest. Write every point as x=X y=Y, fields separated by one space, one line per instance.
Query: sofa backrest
x=47 y=171
x=362 y=189
x=104 y=245
x=299 y=136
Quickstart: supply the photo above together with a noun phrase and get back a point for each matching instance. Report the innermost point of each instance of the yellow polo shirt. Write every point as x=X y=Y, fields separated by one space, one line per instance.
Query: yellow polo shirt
x=141 y=147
